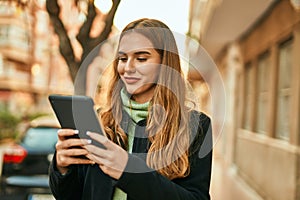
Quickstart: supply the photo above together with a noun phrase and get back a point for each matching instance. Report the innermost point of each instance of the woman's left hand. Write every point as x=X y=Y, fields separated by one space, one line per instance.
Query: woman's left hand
x=111 y=160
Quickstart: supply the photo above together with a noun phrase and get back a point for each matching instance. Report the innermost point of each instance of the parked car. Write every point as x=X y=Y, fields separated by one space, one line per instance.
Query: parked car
x=25 y=163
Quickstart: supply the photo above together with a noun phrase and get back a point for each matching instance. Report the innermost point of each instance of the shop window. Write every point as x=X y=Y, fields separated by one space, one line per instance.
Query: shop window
x=263 y=90
x=284 y=94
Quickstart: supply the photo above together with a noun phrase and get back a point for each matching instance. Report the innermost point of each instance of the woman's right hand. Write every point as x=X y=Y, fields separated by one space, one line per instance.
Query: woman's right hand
x=69 y=150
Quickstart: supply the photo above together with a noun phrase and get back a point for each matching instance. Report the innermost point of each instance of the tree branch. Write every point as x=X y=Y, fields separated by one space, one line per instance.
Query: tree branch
x=88 y=44
x=83 y=36
x=108 y=25
x=65 y=46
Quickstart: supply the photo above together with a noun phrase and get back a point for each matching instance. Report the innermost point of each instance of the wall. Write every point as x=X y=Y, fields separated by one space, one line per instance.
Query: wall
x=269 y=165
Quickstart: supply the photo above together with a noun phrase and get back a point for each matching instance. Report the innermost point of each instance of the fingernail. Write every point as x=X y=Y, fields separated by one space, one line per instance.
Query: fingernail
x=76 y=132
x=88 y=132
x=89 y=141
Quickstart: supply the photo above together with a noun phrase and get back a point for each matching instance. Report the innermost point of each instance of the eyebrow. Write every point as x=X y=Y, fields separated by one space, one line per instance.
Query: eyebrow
x=136 y=53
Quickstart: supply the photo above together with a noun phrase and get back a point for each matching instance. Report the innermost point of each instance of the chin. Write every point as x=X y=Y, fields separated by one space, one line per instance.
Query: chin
x=131 y=90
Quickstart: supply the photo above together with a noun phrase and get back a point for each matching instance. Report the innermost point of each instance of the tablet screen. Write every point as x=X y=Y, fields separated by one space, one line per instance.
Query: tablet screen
x=76 y=112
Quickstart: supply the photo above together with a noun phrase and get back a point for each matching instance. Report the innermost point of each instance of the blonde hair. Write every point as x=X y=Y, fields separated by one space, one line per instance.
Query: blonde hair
x=168 y=152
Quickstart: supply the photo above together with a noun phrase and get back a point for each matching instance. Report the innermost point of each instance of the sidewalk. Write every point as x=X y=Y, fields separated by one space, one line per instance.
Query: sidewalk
x=227 y=185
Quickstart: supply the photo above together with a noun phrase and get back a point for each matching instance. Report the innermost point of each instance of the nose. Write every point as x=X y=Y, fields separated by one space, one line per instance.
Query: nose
x=129 y=66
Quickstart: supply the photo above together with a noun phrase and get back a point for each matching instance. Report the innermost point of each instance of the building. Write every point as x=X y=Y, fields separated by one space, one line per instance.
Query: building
x=30 y=63
x=255 y=45
x=15 y=51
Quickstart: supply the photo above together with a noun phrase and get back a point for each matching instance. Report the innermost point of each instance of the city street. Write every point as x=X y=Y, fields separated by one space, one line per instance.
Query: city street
x=240 y=60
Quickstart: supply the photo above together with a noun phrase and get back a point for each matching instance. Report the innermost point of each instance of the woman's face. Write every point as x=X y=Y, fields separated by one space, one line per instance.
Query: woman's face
x=138 y=66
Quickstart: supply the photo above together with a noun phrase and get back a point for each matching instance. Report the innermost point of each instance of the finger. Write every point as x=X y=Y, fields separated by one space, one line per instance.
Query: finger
x=71 y=143
x=100 y=152
x=97 y=159
x=75 y=152
x=72 y=156
x=101 y=139
x=66 y=161
x=82 y=161
x=63 y=133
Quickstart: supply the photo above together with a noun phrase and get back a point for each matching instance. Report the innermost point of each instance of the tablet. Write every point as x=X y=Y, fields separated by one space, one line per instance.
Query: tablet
x=76 y=112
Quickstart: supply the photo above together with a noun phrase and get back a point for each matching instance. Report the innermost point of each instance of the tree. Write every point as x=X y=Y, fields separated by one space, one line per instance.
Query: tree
x=87 y=42
x=8 y=124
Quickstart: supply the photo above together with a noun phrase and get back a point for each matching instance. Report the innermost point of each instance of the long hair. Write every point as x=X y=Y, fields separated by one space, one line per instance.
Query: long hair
x=168 y=133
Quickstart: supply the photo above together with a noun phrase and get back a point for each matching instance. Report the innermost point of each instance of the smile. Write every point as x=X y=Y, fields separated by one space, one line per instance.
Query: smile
x=131 y=80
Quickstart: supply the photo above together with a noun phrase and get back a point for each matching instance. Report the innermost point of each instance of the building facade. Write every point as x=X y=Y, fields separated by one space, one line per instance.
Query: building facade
x=30 y=63
x=260 y=68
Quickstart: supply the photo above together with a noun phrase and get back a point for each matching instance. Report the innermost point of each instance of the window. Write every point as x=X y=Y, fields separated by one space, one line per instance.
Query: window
x=284 y=94
x=249 y=86
x=14 y=36
x=263 y=77
x=4 y=32
x=40 y=138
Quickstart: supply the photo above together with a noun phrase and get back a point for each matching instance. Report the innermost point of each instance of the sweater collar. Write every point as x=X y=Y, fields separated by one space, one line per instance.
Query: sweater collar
x=136 y=111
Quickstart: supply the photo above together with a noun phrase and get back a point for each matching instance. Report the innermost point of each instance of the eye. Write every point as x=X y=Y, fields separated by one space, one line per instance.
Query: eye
x=142 y=59
x=122 y=59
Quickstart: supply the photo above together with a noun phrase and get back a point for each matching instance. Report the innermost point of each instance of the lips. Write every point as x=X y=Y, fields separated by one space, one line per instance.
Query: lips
x=131 y=80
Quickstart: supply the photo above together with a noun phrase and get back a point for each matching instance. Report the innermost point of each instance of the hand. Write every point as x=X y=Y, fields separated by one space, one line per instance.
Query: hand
x=111 y=160
x=69 y=150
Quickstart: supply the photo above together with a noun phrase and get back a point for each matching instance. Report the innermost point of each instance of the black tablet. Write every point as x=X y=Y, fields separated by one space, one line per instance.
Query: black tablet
x=76 y=112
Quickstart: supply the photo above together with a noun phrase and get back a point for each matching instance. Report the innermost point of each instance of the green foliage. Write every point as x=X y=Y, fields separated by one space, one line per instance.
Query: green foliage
x=8 y=124
x=33 y=116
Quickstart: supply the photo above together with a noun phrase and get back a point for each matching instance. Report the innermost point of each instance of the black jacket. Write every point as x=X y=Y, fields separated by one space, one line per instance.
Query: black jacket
x=88 y=182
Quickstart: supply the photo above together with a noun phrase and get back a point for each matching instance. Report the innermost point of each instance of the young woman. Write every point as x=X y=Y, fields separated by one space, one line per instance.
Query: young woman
x=153 y=141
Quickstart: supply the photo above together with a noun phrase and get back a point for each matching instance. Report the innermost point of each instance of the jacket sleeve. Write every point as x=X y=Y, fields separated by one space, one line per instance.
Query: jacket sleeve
x=141 y=182
x=65 y=186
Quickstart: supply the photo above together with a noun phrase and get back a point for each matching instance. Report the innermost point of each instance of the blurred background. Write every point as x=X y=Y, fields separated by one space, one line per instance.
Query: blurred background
x=254 y=46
